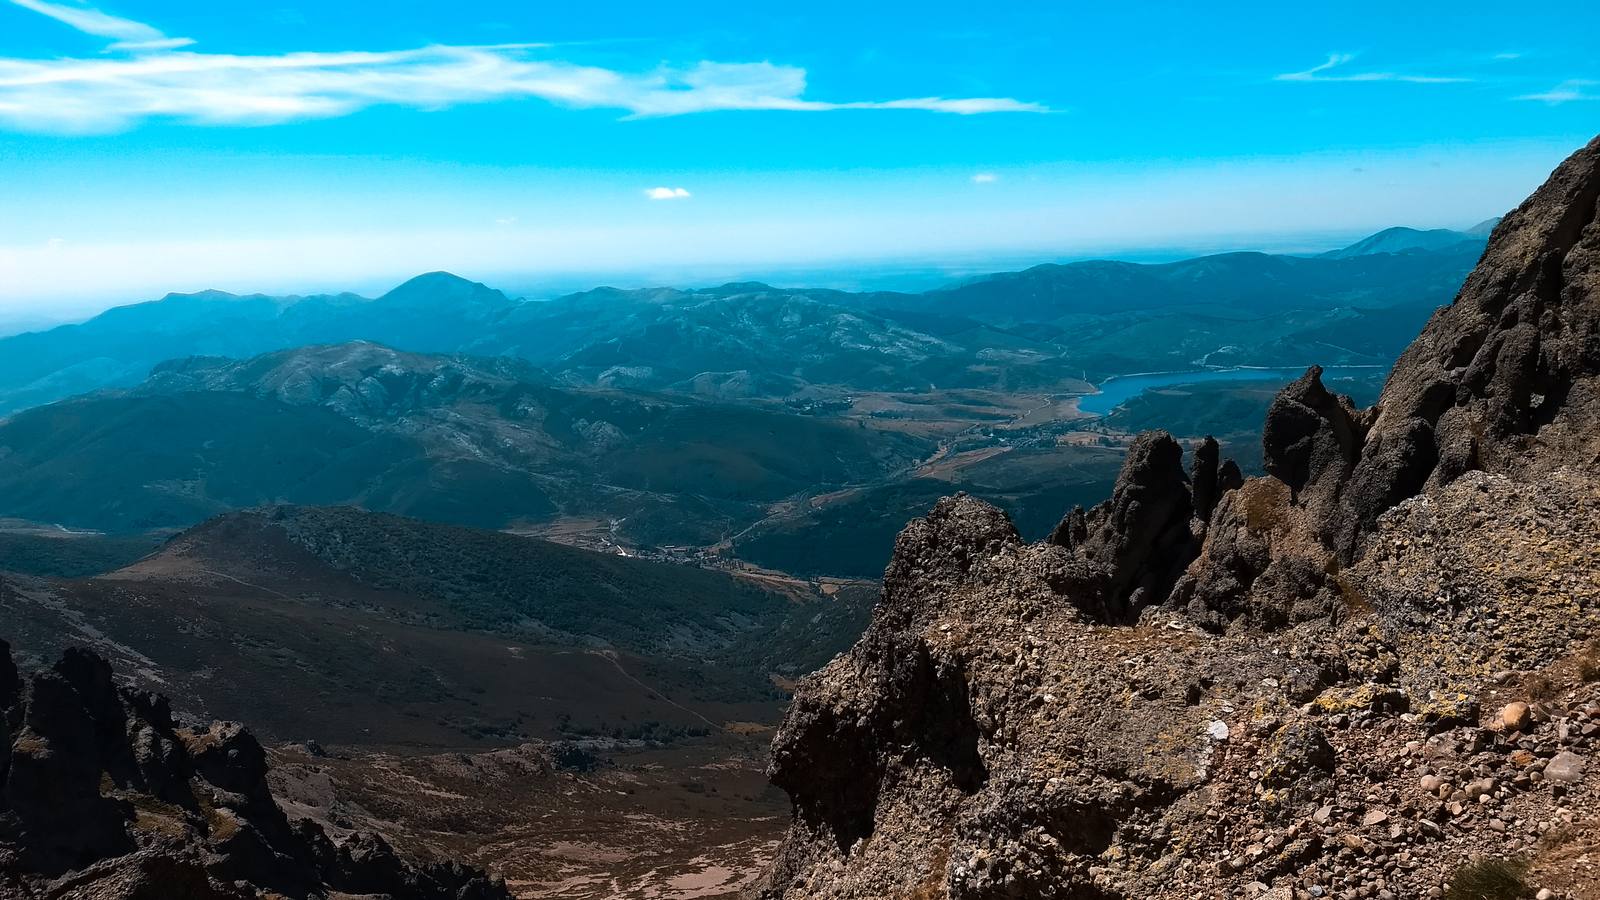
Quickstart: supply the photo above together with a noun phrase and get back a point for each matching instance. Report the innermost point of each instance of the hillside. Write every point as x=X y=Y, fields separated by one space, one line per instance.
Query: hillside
x=416 y=634
x=1369 y=672
x=483 y=442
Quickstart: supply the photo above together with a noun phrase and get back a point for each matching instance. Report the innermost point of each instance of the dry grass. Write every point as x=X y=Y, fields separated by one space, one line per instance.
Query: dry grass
x=1263 y=505
x=1539 y=686
x=1589 y=661
x=220 y=823
x=152 y=815
x=1491 y=878
x=1355 y=600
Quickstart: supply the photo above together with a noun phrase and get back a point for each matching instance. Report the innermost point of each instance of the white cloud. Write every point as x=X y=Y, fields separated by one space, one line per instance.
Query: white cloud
x=667 y=193
x=985 y=178
x=128 y=34
x=160 y=44
x=1326 y=72
x=1507 y=57
x=1565 y=92
x=98 y=95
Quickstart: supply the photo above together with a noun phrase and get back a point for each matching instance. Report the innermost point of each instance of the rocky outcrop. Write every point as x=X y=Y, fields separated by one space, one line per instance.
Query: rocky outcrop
x=1506 y=377
x=1506 y=380
x=1210 y=477
x=104 y=795
x=1139 y=541
x=1276 y=687
x=1311 y=439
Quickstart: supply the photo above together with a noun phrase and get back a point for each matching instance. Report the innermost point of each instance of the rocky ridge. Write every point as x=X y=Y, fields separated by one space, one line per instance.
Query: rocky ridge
x=104 y=795
x=1367 y=673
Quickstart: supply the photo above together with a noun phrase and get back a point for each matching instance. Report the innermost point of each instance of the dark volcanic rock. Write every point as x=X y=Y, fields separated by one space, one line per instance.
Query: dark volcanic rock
x=1141 y=539
x=1507 y=379
x=1311 y=438
x=1141 y=535
x=1204 y=478
x=1517 y=356
x=106 y=797
x=10 y=707
x=830 y=756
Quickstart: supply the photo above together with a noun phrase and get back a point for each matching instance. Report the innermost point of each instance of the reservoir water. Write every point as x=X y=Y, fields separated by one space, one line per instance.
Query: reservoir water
x=1120 y=389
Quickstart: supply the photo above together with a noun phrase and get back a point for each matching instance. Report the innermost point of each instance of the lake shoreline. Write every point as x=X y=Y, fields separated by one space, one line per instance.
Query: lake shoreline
x=1119 y=389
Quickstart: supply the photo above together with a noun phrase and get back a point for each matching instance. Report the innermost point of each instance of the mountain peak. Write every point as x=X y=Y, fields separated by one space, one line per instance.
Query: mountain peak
x=1485 y=228
x=1401 y=239
x=741 y=287
x=441 y=288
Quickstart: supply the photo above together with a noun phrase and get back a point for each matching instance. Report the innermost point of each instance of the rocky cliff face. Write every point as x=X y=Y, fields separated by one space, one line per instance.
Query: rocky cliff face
x=1351 y=677
x=103 y=795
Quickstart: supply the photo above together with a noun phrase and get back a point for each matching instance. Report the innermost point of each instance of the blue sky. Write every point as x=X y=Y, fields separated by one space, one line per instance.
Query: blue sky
x=154 y=145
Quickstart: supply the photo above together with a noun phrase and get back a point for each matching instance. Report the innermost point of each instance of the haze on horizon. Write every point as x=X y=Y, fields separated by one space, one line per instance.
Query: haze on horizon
x=150 y=146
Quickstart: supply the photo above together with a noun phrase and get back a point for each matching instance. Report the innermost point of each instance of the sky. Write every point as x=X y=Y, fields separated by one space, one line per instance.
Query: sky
x=149 y=146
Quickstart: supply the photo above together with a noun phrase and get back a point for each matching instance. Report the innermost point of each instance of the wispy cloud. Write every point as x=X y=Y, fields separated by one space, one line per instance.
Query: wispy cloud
x=667 y=193
x=1506 y=57
x=985 y=178
x=1565 y=92
x=1334 y=70
x=127 y=34
x=97 y=95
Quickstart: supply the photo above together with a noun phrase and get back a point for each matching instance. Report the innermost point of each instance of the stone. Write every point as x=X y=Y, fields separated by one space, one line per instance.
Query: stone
x=1515 y=717
x=1566 y=767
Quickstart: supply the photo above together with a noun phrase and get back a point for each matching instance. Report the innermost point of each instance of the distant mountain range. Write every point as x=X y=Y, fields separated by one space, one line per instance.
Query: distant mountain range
x=1005 y=331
